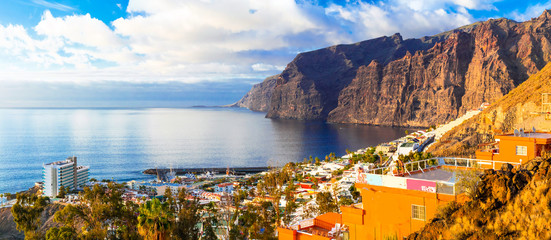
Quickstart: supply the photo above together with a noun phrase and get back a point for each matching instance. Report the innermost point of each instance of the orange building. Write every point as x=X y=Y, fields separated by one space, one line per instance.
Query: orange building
x=516 y=148
x=392 y=206
x=391 y=212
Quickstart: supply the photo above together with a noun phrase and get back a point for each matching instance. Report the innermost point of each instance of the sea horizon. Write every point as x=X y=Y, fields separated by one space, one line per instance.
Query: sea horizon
x=120 y=143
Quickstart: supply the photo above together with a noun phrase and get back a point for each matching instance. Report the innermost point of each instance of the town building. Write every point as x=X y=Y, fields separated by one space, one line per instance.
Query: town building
x=406 y=148
x=396 y=201
x=63 y=173
x=325 y=226
x=385 y=148
x=515 y=148
x=158 y=189
x=224 y=187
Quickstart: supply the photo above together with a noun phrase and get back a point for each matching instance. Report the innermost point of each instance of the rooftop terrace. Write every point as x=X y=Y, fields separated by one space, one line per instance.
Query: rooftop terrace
x=530 y=135
x=435 y=175
x=63 y=162
x=408 y=144
x=82 y=168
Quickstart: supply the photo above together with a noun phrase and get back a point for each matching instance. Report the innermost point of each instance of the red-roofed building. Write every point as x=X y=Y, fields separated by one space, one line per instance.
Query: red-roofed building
x=224 y=187
x=324 y=227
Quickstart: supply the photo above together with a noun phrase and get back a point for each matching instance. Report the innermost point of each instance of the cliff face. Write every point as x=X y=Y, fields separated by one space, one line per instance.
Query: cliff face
x=513 y=111
x=414 y=82
x=310 y=86
x=258 y=98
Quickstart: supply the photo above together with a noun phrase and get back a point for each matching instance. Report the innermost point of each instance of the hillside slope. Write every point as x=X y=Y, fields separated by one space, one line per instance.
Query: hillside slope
x=8 y=228
x=515 y=110
x=413 y=82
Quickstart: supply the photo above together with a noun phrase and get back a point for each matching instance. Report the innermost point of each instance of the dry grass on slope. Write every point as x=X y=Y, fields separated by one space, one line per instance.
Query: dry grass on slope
x=514 y=110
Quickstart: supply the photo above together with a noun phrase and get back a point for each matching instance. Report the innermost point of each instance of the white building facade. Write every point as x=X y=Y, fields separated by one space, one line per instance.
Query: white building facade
x=224 y=187
x=63 y=173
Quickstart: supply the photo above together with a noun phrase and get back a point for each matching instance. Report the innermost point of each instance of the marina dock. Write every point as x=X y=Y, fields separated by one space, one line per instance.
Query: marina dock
x=182 y=171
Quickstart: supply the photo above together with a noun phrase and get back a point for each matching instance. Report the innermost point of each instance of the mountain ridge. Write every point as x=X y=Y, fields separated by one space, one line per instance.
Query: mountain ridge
x=412 y=82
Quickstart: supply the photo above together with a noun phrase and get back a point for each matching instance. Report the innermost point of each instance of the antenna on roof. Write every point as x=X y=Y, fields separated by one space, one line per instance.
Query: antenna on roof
x=517 y=133
x=534 y=129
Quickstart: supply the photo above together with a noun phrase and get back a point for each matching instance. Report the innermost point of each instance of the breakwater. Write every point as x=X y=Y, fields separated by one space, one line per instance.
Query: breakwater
x=181 y=171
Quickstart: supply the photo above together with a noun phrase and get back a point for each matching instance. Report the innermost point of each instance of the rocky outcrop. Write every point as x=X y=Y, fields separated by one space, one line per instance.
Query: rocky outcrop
x=258 y=98
x=413 y=82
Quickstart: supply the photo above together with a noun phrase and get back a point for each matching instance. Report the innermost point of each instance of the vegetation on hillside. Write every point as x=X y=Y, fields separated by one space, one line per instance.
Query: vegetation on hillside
x=26 y=214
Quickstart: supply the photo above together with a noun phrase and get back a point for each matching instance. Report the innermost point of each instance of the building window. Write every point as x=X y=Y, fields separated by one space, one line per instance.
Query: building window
x=522 y=150
x=418 y=212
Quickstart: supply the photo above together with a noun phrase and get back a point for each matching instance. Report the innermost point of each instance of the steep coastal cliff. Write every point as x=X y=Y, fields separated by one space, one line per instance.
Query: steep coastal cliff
x=413 y=82
x=258 y=98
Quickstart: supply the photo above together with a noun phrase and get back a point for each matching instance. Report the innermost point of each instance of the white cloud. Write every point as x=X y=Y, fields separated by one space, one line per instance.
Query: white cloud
x=422 y=5
x=261 y=67
x=86 y=38
x=224 y=26
x=411 y=18
x=531 y=11
x=196 y=40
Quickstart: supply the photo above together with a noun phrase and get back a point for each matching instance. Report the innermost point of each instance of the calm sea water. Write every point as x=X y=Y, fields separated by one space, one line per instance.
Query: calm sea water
x=120 y=143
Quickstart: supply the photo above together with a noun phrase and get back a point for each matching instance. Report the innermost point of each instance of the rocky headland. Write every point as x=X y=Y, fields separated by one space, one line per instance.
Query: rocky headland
x=258 y=98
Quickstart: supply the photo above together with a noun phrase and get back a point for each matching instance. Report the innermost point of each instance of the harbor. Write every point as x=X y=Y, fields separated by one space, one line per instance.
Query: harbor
x=166 y=173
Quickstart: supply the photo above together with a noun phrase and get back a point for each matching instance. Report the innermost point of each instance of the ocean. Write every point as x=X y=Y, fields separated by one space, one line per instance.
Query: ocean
x=119 y=144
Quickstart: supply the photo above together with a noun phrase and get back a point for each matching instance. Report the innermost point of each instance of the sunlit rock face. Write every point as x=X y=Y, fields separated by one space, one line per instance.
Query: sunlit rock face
x=413 y=82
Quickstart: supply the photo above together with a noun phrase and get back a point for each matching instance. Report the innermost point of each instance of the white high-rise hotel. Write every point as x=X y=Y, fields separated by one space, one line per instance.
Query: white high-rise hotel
x=63 y=173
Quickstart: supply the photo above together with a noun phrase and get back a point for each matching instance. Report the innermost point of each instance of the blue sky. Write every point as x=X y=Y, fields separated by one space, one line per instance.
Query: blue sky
x=210 y=51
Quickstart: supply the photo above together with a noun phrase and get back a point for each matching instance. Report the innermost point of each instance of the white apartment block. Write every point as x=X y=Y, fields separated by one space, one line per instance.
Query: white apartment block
x=63 y=173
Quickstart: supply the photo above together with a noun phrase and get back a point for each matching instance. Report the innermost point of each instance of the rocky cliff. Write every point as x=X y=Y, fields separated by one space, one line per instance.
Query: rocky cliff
x=520 y=108
x=258 y=98
x=413 y=82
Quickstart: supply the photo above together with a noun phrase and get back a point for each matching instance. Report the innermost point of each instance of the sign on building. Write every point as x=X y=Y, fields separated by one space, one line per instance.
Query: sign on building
x=421 y=185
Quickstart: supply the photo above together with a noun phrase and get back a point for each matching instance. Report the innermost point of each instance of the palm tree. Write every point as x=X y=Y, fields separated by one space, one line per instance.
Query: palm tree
x=155 y=220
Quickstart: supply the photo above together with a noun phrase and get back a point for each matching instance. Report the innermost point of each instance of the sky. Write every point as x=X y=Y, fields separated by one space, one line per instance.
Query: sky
x=176 y=53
